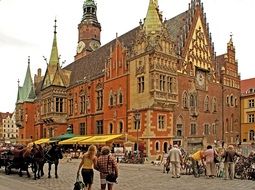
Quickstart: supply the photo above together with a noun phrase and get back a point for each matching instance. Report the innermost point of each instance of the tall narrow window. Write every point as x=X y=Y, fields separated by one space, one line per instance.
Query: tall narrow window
x=162 y=82
x=214 y=105
x=99 y=127
x=161 y=121
x=140 y=86
x=83 y=104
x=169 y=84
x=193 y=129
x=49 y=105
x=206 y=130
x=192 y=100
x=251 y=103
x=59 y=105
x=214 y=130
x=120 y=98
x=99 y=99
x=111 y=128
x=121 y=127
x=111 y=100
x=70 y=106
x=206 y=104
x=83 y=130
x=251 y=118
x=185 y=100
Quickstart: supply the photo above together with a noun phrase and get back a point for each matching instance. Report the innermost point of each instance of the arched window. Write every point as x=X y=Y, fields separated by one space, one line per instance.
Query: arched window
x=252 y=135
x=192 y=100
x=120 y=98
x=157 y=146
x=227 y=101
x=111 y=98
x=231 y=100
x=206 y=104
x=184 y=100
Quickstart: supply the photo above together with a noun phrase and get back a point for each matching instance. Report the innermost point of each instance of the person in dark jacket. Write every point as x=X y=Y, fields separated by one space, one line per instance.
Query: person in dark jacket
x=229 y=163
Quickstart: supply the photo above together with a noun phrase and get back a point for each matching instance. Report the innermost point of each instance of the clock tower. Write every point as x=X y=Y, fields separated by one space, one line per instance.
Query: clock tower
x=89 y=30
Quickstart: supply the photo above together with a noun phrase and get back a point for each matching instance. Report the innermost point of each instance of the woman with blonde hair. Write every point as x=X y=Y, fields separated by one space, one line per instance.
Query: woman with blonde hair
x=89 y=160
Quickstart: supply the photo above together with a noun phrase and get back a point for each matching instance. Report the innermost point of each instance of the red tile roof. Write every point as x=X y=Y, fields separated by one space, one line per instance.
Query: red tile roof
x=247 y=84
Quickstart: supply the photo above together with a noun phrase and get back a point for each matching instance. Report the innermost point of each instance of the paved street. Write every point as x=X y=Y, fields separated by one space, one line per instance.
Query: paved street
x=132 y=177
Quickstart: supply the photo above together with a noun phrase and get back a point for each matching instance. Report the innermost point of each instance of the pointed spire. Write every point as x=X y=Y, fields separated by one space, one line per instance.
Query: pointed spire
x=54 y=60
x=152 y=22
x=26 y=92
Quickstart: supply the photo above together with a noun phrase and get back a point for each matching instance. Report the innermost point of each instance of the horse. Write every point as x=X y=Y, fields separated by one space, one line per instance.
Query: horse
x=37 y=161
x=52 y=156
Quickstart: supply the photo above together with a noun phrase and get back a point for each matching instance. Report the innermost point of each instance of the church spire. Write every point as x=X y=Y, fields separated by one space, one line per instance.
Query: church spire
x=54 y=59
x=153 y=20
x=26 y=92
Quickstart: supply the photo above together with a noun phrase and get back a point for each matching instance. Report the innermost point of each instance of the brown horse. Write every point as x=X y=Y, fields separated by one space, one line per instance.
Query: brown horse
x=36 y=160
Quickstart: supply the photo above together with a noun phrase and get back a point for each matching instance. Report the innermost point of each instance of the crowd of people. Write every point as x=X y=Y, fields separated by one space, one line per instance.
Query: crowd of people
x=210 y=161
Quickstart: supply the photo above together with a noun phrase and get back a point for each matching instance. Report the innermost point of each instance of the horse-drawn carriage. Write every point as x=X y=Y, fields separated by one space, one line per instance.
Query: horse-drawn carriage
x=23 y=158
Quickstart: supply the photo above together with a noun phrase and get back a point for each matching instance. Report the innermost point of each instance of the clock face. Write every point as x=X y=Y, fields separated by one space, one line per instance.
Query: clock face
x=80 y=46
x=200 y=78
x=94 y=44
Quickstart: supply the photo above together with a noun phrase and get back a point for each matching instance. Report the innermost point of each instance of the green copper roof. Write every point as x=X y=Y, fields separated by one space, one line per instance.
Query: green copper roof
x=54 y=74
x=26 y=92
x=54 y=51
x=152 y=21
x=90 y=2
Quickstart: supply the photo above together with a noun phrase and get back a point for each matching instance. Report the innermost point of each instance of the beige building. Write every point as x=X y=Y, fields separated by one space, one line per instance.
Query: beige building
x=10 y=130
x=248 y=111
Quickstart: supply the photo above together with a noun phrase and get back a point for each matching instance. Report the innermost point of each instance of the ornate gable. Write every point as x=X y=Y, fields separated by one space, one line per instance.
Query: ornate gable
x=198 y=50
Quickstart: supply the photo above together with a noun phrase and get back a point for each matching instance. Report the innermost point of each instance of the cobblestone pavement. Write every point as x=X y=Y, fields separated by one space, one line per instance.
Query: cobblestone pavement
x=131 y=177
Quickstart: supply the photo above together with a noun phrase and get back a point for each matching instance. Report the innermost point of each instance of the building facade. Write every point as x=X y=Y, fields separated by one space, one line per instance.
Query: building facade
x=161 y=83
x=9 y=130
x=248 y=111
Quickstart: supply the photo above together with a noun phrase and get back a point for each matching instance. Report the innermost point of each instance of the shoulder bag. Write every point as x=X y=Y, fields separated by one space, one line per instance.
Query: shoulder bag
x=111 y=177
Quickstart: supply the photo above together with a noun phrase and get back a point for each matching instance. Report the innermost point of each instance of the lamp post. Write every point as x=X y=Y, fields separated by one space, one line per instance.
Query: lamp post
x=137 y=125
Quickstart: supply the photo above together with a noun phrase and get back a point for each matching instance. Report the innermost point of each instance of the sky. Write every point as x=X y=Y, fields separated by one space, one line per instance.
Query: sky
x=26 y=29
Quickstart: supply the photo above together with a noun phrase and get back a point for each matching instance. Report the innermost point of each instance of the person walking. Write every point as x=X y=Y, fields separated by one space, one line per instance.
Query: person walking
x=107 y=164
x=229 y=163
x=88 y=162
x=175 y=158
x=209 y=160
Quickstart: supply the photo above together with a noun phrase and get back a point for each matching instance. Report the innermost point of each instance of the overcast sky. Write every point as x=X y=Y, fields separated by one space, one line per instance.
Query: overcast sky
x=26 y=29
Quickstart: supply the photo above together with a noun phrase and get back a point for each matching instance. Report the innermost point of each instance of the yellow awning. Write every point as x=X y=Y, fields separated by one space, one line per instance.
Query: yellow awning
x=41 y=141
x=100 y=139
x=74 y=140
